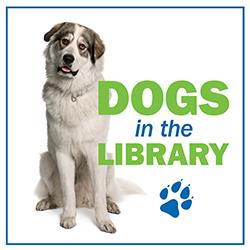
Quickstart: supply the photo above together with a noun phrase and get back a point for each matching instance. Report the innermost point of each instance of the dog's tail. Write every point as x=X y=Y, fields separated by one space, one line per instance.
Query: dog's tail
x=120 y=187
x=41 y=191
x=129 y=187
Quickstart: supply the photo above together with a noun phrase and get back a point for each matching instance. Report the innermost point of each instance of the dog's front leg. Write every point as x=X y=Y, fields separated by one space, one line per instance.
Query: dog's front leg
x=98 y=177
x=66 y=168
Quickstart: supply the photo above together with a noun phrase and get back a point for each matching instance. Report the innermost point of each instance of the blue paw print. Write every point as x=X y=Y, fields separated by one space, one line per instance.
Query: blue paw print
x=171 y=207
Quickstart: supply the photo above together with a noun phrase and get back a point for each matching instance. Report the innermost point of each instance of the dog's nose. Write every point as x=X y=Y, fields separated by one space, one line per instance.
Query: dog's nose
x=68 y=58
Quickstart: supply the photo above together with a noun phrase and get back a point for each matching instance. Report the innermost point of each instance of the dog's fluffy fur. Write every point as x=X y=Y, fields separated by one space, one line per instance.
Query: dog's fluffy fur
x=70 y=175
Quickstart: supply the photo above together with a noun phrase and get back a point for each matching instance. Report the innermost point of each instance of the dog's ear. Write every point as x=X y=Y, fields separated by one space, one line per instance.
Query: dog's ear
x=50 y=33
x=97 y=47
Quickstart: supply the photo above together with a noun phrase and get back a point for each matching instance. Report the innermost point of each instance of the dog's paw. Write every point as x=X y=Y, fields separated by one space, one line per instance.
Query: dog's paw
x=112 y=207
x=106 y=226
x=45 y=204
x=86 y=203
x=68 y=222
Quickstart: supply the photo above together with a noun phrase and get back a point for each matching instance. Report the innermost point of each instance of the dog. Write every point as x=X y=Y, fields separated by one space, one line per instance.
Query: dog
x=69 y=170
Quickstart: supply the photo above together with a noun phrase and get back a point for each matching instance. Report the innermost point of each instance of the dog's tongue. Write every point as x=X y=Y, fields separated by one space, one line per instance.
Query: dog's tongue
x=66 y=69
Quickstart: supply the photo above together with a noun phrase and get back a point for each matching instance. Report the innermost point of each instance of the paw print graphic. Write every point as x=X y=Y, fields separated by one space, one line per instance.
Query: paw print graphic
x=171 y=207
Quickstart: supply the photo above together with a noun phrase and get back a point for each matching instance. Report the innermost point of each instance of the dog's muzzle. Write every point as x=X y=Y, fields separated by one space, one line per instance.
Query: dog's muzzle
x=67 y=70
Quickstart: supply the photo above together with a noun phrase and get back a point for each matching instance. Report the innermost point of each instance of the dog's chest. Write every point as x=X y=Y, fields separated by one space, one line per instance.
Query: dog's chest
x=67 y=112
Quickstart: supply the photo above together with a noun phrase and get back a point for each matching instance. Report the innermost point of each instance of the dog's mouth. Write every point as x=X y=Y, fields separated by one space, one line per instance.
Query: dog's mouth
x=67 y=70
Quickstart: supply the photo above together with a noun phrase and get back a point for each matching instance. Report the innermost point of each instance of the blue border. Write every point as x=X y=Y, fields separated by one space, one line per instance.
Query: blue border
x=243 y=125
x=243 y=116
x=6 y=125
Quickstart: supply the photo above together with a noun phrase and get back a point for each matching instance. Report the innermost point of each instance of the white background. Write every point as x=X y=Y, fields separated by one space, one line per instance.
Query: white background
x=171 y=44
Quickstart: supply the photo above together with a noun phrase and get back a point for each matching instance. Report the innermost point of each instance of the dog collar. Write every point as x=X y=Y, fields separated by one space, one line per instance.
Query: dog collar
x=81 y=92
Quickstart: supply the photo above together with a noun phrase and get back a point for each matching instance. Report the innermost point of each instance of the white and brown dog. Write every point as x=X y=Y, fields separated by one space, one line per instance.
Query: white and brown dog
x=70 y=174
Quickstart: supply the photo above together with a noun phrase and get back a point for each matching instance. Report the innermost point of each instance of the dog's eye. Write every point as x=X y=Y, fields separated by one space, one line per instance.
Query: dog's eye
x=82 y=46
x=65 y=41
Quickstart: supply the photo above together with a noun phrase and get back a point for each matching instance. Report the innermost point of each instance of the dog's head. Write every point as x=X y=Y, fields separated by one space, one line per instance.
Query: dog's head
x=71 y=46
